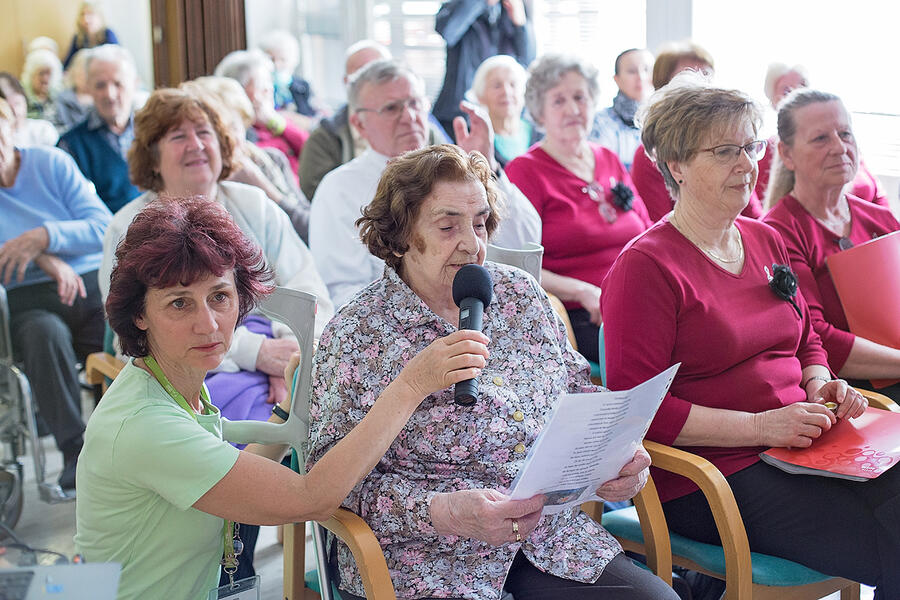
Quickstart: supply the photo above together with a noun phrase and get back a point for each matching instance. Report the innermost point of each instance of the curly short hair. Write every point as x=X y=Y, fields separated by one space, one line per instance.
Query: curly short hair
x=680 y=116
x=167 y=108
x=386 y=225
x=546 y=72
x=176 y=241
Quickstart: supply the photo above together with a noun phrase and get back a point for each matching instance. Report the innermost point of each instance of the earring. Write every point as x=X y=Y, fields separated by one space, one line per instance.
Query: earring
x=680 y=181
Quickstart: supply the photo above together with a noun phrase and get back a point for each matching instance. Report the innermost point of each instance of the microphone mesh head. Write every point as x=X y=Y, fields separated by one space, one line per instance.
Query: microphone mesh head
x=473 y=281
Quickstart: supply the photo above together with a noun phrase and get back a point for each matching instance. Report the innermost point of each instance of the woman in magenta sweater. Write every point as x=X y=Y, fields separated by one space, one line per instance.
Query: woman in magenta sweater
x=710 y=289
x=583 y=194
x=817 y=157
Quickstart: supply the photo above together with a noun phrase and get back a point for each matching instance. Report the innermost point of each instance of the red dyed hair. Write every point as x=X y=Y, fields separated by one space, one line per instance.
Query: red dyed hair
x=177 y=241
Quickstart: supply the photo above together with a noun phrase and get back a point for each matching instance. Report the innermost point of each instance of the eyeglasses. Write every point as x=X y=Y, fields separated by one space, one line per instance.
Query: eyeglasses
x=393 y=110
x=729 y=153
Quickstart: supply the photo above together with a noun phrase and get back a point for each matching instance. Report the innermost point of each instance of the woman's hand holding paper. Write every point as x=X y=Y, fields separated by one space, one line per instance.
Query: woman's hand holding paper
x=630 y=481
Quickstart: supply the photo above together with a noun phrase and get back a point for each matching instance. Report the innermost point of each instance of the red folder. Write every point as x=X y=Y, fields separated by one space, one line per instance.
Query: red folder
x=867 y=280
x=857 y=449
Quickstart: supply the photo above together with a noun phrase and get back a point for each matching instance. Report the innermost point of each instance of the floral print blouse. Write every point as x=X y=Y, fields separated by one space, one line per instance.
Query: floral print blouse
x=446 y=447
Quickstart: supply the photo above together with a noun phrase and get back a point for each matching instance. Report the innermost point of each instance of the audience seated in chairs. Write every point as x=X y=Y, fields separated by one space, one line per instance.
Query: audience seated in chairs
x=780 y=81
x=253 y=70
x=100 y=143
x=51 y=236
x=499 y=86
x=816 y=219
x=387 y=106
x=582 y=192
x=185 y=274
x=432 y=501
x=712 y=290
x=266 y=168
x=614 y=127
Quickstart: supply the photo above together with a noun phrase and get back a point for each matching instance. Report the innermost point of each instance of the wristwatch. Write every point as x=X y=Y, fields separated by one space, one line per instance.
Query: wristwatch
x=280 y=413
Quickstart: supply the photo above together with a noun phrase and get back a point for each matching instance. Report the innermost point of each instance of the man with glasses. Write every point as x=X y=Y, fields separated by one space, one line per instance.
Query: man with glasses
x=387 y=105
x=334 y=142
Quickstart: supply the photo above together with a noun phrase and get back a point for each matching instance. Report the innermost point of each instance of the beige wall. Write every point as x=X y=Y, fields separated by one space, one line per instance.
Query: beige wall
x=24 y=20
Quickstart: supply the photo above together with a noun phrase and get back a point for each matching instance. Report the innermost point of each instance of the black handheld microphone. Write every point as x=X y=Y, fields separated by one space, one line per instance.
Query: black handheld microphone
x=472 y=291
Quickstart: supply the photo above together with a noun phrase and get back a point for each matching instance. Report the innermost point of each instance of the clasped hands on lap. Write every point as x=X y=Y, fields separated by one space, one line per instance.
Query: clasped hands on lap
x=798 y=424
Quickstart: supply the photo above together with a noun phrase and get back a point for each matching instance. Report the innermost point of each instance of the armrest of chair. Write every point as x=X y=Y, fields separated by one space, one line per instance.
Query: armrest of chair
x=355 y=532
x=738 y=573
x=100 y=365
x=655 y=531
x=879 y=400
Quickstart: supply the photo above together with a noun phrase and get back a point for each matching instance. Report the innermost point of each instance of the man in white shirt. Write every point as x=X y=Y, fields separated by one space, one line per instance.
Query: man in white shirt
x=388 y=108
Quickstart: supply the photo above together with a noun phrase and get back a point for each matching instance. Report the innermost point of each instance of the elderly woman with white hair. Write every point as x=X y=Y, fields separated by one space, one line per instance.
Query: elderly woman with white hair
x=499 y=86
x=270 y=129
x=582 y=192
x=781 y=80
x=41 y=78
x=266 y=168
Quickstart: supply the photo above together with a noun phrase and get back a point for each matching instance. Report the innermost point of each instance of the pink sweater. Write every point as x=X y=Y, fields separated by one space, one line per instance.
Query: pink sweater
x=740 y=346
x=578 y=241
x=809 y=244
x=290 y=142
x=652 y=188
x=865 y=185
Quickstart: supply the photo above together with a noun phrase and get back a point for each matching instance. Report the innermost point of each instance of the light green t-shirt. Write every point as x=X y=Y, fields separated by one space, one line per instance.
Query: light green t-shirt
x=145 y=462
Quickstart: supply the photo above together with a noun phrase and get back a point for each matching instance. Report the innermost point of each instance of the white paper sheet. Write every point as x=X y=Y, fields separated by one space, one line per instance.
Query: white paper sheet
x=587 y=441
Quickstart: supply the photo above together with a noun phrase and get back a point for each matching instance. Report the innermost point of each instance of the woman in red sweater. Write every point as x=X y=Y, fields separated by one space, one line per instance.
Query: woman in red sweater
x=817 y=158
x=581 y=191
x=711 y=289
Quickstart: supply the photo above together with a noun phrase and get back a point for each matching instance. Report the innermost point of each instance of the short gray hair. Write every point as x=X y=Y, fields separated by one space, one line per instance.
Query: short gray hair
x=490 y=64
x=547 y=71
x=782 y=179
x=111 y=53
x=377 y=73
x=243 y=65
x=680 y=115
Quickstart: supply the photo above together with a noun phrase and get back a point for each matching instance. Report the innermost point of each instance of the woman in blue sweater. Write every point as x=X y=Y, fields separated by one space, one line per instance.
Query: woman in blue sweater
x=51 y=241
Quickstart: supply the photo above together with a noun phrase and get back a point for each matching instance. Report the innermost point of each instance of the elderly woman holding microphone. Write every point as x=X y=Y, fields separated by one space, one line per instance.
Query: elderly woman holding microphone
x=817 y=158
x=582 y=192
x=712 y=290
x=435 y=500
x=156 y=482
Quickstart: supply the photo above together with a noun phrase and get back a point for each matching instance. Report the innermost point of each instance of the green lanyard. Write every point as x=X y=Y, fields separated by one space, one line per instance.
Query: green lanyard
x=229 y=560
